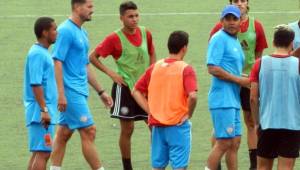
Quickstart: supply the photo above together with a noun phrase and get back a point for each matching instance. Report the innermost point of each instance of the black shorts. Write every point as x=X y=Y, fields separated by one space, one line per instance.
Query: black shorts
x=278 y=142
x=245 y=98
x=125 y=107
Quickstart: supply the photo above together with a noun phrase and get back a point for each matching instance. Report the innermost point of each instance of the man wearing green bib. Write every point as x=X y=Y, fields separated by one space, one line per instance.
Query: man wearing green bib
x=133 y=51
x=253 y=42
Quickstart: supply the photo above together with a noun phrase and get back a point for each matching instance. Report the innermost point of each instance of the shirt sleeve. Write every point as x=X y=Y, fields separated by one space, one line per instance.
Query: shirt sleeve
x=261 y=42
x=143 y=83
x=215 y=51
x=150 y=43
x=254 y=75
x=216 y=28
x=189 y=79
x=109 y=46
x=62 y=44
x=35 y=68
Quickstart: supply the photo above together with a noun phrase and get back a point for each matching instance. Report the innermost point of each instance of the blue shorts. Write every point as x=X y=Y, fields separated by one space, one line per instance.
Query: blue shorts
x=226 y=122
x=36 y=141
x=171 y=143
x=77 y=114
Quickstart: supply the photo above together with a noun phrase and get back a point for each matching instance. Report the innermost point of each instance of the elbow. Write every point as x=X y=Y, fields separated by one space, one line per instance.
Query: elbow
x=193 y=97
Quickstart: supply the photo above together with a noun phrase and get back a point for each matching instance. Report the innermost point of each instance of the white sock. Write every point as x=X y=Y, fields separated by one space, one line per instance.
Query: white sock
x=101 y=168
x=55 y=167
x=206 y=168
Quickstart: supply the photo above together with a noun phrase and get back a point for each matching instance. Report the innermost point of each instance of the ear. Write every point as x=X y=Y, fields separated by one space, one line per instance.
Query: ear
x=45 y=33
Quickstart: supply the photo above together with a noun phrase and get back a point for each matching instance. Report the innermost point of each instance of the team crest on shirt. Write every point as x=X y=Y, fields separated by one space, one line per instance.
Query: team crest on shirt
x=83 y=118
x=235 y=49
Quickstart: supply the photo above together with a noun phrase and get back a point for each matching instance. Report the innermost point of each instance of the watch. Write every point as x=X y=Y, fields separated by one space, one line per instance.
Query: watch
x=45 y=109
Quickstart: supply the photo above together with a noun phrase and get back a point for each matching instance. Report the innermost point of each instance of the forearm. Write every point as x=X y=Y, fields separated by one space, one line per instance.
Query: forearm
x=39 y=96
x=192 y=102
x=59 y=77
x=92 y=80
x=222 y=74
x=94 y=59
x=141 y=100
x=254 y=102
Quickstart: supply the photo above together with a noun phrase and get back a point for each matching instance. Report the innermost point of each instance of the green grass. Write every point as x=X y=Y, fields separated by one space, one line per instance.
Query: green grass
x=16 y=37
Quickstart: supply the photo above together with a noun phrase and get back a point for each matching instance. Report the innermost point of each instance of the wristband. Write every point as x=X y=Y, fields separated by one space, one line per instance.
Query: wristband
x=101 y=92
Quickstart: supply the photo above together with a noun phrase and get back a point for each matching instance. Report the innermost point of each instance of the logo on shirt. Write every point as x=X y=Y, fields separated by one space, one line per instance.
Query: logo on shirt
x=235 y=49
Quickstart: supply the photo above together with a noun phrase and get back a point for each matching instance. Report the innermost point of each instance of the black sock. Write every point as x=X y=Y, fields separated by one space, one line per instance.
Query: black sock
x=219 y=166
x=252 y=156
x=126 y=164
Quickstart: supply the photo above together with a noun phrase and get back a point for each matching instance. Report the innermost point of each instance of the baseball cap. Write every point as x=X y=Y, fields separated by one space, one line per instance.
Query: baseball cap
x=231 y=9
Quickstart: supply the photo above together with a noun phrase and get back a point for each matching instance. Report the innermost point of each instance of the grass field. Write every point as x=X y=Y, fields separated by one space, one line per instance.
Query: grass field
x=196 y=17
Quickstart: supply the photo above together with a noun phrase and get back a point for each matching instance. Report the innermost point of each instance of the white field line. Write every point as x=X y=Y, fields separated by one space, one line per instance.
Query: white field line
x=154 y=14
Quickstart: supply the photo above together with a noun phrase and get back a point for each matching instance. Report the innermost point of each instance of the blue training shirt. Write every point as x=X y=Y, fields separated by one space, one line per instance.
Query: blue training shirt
x=71 y=48
x=226 y=52
x=296 y=29
x=39 y=70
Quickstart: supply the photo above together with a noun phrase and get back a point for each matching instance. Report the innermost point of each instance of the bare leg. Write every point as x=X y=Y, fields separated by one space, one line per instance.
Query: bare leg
x=232 y=154
x=264 y=163
x=40 y=161
x=31 y=161
x=88 y=146
x=127 y=127
x=286 y=163
x=62 y=136
x=219 y=149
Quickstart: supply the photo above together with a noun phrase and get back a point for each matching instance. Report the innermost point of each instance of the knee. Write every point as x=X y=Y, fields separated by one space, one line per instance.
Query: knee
x=91 y=133
x=128 y=131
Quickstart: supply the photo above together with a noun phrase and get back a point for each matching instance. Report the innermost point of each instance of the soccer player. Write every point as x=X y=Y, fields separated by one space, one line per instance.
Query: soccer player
x=40 y=94
x=73 y=73
x=133 y=51
x=225 y=60
x=275 y=103
x=253 y=41
x=171 y=89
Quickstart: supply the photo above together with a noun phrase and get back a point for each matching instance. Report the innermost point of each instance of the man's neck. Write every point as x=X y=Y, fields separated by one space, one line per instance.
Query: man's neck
x=76 y=19
x=282 y=51
x=128 y=30
x=43 y=42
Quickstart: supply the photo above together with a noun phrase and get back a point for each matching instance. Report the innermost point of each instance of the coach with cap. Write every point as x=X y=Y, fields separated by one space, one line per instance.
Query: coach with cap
x=225 y=60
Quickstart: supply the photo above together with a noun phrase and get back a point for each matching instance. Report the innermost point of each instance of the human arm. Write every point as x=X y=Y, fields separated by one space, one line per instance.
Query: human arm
x=62 y=101
x=141 y=100
x=39 y=97
x=106 y=99
x=95 y=60
x=224 y=75
x=151 y=49
x=254 y=102
x=296 y=52
x=261 y=41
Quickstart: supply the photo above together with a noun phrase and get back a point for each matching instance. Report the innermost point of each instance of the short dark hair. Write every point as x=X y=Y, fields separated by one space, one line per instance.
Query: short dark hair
x=127 y=5
x=177 y=40
x=283 y=36
x=73 y=2
x=248 y=8
x=42 y=24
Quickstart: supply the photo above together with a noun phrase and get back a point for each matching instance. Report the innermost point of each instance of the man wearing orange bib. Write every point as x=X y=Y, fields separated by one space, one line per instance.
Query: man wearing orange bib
x=168 y=93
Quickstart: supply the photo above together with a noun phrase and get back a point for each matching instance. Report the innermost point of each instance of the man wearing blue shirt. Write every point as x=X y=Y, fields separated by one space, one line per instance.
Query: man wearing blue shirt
x=275 y=102
x=40 y=93
x=73 y=74
x=225 y=60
